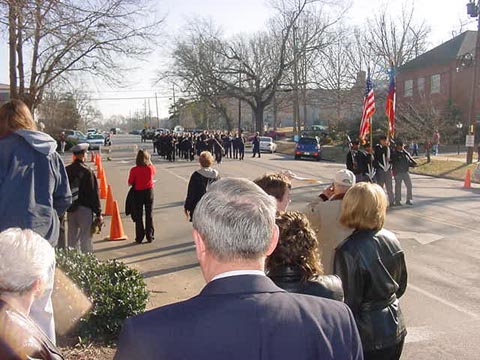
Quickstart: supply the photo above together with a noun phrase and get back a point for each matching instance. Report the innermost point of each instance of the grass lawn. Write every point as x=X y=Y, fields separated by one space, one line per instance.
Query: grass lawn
x=451 y=169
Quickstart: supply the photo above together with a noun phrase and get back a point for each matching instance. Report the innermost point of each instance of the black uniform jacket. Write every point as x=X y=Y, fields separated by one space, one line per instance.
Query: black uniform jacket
x=84 y=186
x=290 y=279
x=372 y=267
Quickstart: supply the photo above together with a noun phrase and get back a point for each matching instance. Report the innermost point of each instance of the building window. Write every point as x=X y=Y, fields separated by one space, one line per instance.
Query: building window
x=421 y=85
x=435 y=84
x=408 y=88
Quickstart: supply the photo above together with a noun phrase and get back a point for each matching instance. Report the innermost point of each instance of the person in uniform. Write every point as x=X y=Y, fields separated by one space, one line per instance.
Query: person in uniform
x=357 y=162
x=401 y=163
x=86 y=201
x=383 y=167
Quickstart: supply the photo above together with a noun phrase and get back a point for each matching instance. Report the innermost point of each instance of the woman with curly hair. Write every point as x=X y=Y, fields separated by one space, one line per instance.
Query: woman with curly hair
x=295 y=264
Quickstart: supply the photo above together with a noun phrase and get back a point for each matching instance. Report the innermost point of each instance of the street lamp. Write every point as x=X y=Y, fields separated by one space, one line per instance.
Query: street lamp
x=473 y=11
x=459 y=126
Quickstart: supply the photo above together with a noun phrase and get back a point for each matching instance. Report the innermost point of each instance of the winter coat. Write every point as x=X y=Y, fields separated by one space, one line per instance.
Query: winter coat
x=197 y=187
x=34 y=189
x=290 y=279
x=324 y=219
x=372 y=267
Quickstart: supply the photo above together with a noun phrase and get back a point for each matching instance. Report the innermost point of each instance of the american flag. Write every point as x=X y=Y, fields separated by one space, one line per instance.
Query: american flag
x=368 y=108
x=390 y=108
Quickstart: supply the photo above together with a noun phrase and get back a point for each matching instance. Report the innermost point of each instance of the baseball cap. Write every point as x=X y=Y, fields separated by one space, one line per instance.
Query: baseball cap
x=344 y=177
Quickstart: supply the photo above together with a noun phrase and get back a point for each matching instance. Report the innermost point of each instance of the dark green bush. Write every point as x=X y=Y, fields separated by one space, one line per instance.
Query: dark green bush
x=115 y=290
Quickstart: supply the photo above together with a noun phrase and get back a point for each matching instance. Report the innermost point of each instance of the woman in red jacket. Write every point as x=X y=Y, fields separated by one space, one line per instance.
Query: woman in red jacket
x=141 y=178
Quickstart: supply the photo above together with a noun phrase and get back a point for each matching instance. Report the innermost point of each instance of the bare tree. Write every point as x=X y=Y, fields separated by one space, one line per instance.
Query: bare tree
x=249 y=68
x=50 y=39
x=398 y=38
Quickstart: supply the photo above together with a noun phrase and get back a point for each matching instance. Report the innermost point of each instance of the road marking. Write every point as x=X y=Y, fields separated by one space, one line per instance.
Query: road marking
x=177 y=176
x=441 y=221
x=443 y=301
x=422 y=238
x=419 y=334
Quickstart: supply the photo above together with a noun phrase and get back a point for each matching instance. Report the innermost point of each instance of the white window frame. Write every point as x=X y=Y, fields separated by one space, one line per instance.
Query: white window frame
x=435 y=84
x=421 y=85
x=408 y=88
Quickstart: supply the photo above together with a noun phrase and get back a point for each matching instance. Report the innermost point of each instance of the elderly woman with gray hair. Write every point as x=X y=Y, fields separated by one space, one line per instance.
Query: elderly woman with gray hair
x=25 y=261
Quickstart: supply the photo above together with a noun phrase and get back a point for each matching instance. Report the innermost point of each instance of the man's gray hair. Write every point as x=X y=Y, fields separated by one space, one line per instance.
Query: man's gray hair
x=24 y=258
x=236 y=219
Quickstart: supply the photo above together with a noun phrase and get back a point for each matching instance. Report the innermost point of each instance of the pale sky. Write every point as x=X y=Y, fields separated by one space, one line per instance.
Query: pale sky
x=246 y=16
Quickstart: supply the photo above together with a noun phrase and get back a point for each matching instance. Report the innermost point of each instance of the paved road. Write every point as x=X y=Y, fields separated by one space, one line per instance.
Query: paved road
x=440 y=234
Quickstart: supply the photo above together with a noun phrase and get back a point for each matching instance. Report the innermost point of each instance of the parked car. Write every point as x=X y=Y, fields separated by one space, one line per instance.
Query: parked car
x=136 y=132
x=308 y=147
x=95 y=141
x=267 y=144
x=75 y=136
x=91 y=131
x=115 y=131
x=275 y=134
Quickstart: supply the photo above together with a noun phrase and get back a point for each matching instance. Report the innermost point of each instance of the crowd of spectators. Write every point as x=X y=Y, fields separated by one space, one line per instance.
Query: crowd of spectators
x=324 y=283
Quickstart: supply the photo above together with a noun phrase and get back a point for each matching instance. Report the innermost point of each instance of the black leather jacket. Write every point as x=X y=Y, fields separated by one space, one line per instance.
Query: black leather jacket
x=372 y=267
x=290 y=279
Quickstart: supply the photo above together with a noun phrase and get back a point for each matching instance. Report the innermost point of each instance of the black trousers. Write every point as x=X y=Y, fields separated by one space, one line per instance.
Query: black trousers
x=390 y=353
x=143 y=199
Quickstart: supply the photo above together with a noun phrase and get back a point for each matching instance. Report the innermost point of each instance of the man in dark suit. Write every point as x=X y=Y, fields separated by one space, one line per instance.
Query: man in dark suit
x=240 y=313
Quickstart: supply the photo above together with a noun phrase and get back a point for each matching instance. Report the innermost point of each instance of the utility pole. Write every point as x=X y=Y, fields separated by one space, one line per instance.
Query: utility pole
x=473 y=11
x=296 y=112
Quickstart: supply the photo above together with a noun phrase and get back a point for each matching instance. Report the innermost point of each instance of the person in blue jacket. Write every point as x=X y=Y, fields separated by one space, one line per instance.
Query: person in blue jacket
x=34 y=189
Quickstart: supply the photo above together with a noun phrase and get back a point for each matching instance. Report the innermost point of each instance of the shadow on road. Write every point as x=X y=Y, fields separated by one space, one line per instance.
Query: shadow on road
x=150 y=274
x=156 y=250
x=178 y=252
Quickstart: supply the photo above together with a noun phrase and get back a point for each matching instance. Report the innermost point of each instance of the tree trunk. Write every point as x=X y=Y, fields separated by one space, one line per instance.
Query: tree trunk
x=258 y=111
x=12 y=42
x=21 y=73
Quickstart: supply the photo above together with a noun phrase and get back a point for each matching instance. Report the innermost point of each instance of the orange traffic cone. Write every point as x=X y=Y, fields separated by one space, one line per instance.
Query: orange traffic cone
x=103 y=186
x=109 y=203
x=116 y=227
x=468 y=180
x=99 y=172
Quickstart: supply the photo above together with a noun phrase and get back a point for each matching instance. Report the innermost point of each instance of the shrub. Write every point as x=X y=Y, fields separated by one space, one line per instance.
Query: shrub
x=115 y=290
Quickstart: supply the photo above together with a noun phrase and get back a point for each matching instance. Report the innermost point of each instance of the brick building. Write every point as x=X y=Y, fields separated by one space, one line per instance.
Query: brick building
x=439 y=78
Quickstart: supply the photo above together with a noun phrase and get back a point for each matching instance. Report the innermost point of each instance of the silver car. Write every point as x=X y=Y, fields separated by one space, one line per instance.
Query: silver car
x=95 y=141
x=267 y=144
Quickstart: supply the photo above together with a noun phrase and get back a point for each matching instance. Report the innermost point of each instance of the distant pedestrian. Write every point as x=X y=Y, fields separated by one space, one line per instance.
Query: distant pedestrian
x=62 y=141
x=199 y=181
x=401 y=163
x=371 y=264
x=86 y=201
x=34 y=189
x=436 y=142
x=256 y=144
x=141 y=178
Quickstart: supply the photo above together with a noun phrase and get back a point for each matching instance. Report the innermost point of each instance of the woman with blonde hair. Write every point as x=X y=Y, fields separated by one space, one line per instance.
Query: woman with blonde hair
x=295 y=263
x=371 y=264
x=141 y=178
x=200 y=179
x=34 y=189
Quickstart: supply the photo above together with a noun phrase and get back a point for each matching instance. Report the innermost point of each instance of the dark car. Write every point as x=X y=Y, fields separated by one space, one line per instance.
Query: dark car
x=308 y=147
